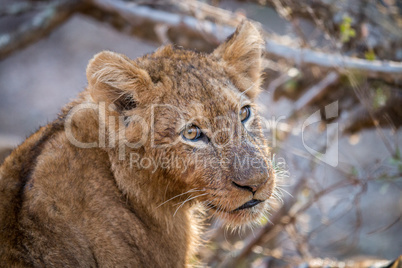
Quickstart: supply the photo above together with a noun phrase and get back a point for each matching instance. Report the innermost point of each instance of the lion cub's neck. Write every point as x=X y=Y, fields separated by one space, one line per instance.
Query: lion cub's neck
x=156 y=202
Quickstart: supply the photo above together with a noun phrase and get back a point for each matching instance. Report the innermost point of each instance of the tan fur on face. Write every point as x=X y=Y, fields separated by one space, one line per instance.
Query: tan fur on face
x=70 y=206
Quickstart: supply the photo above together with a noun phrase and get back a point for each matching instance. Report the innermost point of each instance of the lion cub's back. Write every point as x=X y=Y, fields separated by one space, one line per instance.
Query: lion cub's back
x=14 y=174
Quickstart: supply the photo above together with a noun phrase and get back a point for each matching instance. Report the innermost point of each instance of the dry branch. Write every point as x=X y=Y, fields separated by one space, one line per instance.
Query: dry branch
x=144 y=18
x=41 y=25
x=214 y=33
x=316 y=91
x=204 y=26
x=17 y=9
x=389 y=115
x=377 y=24
x=388 y=70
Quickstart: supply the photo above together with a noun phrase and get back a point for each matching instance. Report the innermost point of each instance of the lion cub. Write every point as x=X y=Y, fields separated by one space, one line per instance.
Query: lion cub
x=115 y=181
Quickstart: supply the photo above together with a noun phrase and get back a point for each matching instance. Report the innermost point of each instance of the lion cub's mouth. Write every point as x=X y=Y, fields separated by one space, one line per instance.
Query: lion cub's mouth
x=249 y=204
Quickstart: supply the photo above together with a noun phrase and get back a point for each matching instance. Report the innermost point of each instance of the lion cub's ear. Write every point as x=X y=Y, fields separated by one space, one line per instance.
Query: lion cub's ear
x=242 y=56
x=114 y=78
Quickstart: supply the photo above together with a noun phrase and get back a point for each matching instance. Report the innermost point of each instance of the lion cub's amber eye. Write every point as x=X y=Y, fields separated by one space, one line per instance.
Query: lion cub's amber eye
x=191 y=133
x=245 y=113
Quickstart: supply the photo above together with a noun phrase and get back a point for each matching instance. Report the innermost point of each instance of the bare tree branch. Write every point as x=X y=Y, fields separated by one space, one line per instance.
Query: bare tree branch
x=213 y=27
x=214 y=33
x=388 y=70
x=376 y=23
x=38 y=27
x=18 y=8
x=316 y=91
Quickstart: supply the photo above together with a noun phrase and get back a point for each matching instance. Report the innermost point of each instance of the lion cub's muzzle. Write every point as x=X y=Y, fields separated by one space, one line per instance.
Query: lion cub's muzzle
x=252 y=174
x=248 y=180
x=251 y=178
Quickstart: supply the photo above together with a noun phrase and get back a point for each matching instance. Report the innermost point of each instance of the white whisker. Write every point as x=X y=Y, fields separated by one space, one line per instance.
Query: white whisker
x=188 y=199
x=189 y=191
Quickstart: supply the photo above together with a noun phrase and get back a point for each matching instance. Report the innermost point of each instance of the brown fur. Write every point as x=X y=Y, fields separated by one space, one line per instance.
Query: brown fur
x=65 y=205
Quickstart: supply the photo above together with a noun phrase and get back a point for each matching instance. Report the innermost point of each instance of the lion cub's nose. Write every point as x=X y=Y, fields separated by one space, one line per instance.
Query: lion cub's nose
x=245 y=185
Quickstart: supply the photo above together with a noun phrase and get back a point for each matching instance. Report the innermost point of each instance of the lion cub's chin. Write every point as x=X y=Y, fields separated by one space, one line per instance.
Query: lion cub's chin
x=244 y=217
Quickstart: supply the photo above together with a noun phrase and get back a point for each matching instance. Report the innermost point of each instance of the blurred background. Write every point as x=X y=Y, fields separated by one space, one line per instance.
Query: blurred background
x=331 y=107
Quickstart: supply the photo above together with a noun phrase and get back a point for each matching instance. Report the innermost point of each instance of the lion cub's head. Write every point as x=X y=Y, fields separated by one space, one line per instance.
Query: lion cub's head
x=189 y=126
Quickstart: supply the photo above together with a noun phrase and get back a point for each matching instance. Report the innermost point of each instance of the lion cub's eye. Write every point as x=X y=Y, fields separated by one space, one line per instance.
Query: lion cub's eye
x=192 y=133
x=245 y=113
